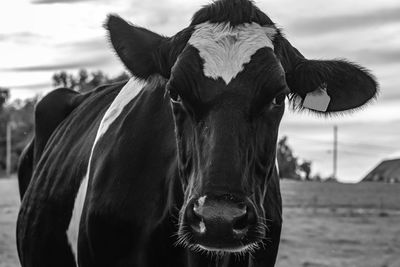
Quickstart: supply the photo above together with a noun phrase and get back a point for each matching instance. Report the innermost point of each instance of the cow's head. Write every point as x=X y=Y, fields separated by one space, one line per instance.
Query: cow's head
x=228 y=76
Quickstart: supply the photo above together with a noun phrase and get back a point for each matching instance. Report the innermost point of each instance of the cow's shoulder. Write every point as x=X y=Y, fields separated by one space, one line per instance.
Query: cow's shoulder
x=57 y=105
x=50 y=111
x=139 y=150
x=65 y=117
x=65 y=124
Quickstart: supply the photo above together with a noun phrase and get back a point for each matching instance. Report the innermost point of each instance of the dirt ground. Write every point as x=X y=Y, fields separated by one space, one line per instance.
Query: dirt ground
x=325 y=225
x=9 y=203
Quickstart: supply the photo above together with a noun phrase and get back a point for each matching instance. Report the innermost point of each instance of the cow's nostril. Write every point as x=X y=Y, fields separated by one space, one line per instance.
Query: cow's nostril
x=241 y=223
x=195 y=219
x=193 y=215
x=196 y=210
x=220 y=218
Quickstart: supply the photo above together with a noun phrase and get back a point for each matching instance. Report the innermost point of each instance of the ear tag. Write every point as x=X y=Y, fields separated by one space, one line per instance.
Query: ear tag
x=318 y=100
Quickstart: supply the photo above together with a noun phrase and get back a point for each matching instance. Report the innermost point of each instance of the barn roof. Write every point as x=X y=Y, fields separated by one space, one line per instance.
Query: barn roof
x=386 y=171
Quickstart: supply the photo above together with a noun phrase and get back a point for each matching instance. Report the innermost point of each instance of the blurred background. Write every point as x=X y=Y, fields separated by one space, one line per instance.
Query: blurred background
x=341 y=189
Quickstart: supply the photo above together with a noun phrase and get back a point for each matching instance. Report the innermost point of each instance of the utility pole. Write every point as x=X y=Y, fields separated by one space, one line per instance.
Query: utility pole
x=8 y=149
x=335 y=152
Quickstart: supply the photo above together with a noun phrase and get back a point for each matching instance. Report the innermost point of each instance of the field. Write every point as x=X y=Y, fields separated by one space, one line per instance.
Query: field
x=335 y=225
x=340 y=225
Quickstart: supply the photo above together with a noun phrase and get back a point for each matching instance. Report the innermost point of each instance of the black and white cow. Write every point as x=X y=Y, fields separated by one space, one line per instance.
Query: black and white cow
x=175 y=167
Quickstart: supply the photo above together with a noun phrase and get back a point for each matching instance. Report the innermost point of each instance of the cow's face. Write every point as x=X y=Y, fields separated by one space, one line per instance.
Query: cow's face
x=228 y=76
x=227 y=91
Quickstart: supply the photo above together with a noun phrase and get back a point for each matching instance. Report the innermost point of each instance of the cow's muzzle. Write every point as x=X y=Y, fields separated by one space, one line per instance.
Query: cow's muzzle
x=222 y=223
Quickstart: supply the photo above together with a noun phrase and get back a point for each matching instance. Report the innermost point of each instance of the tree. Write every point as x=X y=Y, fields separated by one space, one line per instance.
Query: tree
x=287 y=162
x=83 y=76
x=4 y=96
x=60 y=79
x=289 y=166
x=84 y=81
x=317 y=178
x=305 y=167
x=18 y=113
x=331 y=179
x=122 y=77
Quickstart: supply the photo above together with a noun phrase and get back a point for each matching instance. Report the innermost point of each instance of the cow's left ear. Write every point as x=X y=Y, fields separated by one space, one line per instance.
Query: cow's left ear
x=142 y=51
x=331 y=85
x=326 y=85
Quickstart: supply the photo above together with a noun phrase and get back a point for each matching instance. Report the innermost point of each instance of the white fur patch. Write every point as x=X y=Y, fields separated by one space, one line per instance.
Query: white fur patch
x=225 y=49
x=277 y=166
x=202 y=227
x=202 y=200
x=73 y=228
x=127 y=93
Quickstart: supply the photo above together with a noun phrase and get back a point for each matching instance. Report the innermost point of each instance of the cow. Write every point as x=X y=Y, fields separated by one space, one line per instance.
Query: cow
x=175 y=167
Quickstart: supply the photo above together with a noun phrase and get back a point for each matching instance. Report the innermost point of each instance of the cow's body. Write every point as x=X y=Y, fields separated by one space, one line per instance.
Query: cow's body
x=134 y=192
x=52 y=191
x=177 y=166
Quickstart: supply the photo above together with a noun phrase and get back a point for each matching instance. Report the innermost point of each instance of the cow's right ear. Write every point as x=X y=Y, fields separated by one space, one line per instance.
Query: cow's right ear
x=143 y=52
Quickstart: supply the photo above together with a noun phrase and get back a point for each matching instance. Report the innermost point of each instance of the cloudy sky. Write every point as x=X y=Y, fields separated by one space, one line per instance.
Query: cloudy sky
x=39 y=37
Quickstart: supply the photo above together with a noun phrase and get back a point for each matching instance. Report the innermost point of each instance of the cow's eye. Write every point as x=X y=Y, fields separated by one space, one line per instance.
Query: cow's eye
x=175 y=97
x=279 y=100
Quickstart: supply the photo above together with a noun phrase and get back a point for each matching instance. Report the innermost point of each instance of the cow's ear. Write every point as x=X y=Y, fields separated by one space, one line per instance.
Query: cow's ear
x=139 y=49
x=331 y=86
x=326 y=85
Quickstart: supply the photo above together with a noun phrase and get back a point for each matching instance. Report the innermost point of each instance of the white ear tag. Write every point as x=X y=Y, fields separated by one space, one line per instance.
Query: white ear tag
x=317 y=100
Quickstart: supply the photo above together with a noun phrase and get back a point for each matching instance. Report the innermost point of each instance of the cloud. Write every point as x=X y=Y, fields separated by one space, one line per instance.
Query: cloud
x=21 y=37
x=99 y=44
x=375 y=56
x=381 y=54
x=94 y=62
x=38 y=86
x=322 y=25
x=394 y=155
x=58 y=1
x=390 y=94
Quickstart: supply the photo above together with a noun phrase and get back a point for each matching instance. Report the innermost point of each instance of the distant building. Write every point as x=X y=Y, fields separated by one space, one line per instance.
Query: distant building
x=388 y=171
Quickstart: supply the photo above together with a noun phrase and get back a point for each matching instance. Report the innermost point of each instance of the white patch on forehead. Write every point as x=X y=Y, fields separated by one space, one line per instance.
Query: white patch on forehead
x=127 y=93
x=226 y=49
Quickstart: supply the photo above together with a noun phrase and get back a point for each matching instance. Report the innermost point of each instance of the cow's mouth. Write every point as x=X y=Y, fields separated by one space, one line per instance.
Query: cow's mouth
x=220 y=246
x=241 y=250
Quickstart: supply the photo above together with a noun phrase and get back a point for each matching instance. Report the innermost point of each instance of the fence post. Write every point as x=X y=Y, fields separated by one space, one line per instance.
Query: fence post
x=8 y=149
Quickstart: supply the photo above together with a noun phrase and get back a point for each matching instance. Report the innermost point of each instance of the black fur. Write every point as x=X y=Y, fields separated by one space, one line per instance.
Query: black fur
x=25 y=167
x=233 y=11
